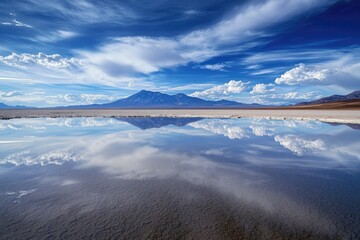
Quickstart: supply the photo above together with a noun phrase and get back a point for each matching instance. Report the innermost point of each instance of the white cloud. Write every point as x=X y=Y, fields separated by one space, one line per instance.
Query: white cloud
x=253 y=67
x=56 y=36
x=314 y=55
x=79 y=11
x=300 y=146
x=214 y=67
x=344 y=72
x=262 y=88
x=53 y=61
x=283 y=98
x=119 y=60
x=97 y=98
x=66 y=34
x=46 y=68
x=9 y=94
x=79 y=99
x=23 y=98
x=262 y=72
x=227 y=89
x=35 y=93
x=11 y=142
x=16 y=23
x=303 y=74
x=128 y=55
x=43 y=99
x=246 y=23
x=296 y=95
x=187 y=87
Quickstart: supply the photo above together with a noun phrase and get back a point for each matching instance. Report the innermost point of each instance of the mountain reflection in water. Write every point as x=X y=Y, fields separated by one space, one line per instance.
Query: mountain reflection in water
x=157 y=122
x=179 y=178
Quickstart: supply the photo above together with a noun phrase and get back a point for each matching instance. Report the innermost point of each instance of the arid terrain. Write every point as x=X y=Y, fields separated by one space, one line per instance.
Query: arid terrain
x=349 y=104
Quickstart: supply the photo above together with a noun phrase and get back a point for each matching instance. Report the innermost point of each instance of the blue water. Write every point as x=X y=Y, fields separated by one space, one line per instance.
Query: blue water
x=185 y=178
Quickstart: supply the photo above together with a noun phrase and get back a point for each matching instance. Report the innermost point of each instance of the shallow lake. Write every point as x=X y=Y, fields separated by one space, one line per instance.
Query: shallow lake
x=178 y=178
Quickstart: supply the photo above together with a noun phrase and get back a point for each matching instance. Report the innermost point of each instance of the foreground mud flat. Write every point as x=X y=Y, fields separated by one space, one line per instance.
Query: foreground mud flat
x=340 y=116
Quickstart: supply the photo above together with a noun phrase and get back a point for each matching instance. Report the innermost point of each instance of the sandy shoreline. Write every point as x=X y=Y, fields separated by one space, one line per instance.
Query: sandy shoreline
x=340 y=116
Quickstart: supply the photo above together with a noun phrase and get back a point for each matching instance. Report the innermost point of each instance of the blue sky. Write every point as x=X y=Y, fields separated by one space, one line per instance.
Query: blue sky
x=65 y=52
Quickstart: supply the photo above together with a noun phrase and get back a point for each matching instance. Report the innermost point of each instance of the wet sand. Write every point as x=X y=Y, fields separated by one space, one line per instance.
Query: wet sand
x=339 y=116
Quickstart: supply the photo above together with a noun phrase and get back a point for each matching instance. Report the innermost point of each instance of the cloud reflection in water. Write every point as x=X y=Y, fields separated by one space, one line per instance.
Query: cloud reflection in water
x=229 y=155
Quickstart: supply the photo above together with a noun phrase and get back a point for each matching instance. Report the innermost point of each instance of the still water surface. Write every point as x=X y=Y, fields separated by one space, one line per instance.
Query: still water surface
x=178 y=178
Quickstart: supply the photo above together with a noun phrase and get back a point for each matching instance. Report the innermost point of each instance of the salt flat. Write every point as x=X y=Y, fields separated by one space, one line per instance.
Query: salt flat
x=341 y=116
x=238 y=178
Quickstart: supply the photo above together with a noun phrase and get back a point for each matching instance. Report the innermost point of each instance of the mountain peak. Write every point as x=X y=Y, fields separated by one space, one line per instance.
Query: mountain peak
x=146 y=91
x=355 y=94
x=149 y=99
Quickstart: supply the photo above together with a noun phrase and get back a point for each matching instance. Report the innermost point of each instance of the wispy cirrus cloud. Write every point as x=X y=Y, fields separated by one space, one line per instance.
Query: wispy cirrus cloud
x=262 y=72
x=245 y=23
x=9 y=94
x=214 y=67
x=79 y=12
x=15 y=23
x=130 y=55
x=228 y=46
x=255 y=61
x=56 y=36
x=149 y=54
x=57 y=69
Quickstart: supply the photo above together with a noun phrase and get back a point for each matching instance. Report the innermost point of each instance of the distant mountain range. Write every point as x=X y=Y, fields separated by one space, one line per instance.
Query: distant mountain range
x=334 y=98
x=148 y=99
x=157 y=100
x=4 y=106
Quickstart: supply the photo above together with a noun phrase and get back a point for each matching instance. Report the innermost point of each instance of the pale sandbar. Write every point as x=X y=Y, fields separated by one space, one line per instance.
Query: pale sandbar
x=340 y=116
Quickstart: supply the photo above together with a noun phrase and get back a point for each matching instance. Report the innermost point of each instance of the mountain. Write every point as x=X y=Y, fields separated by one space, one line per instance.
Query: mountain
x=148 y=99
x=4 y=106
x=334 y=98
x=350 y=125
x=157 y=122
